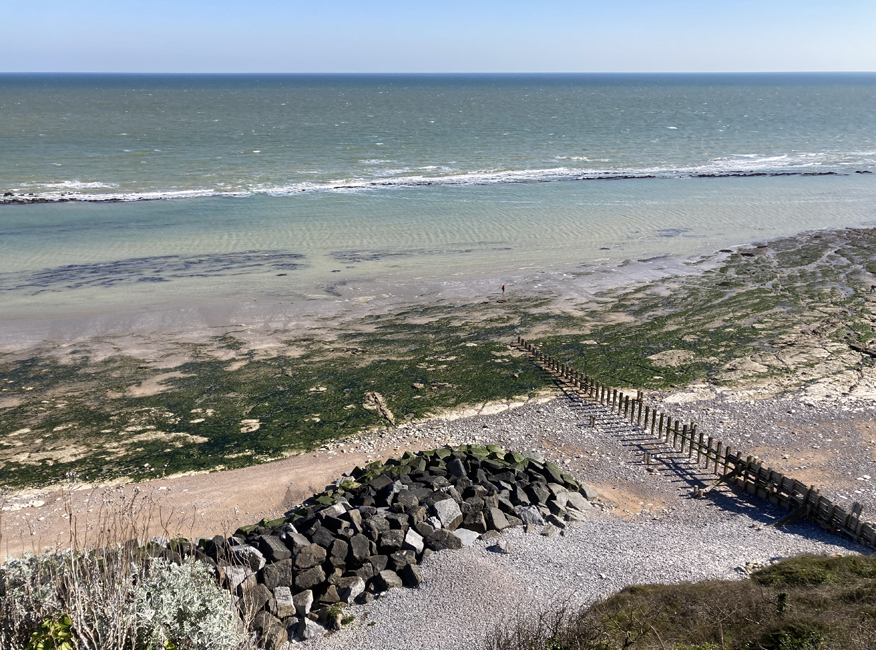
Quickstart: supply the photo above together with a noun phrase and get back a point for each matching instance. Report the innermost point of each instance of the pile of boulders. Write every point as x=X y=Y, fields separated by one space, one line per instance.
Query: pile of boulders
x=369 y=532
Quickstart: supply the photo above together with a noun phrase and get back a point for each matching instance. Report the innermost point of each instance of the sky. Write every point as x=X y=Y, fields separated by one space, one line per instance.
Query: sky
x=428 y=36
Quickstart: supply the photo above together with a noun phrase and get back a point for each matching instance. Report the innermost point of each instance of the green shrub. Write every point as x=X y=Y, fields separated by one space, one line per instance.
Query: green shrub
x=53 y=634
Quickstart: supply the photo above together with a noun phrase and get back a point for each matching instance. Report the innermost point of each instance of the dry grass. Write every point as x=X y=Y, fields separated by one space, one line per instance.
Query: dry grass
x=99 y=581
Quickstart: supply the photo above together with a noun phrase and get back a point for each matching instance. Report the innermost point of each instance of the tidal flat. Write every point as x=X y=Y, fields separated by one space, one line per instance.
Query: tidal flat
x=788 y=314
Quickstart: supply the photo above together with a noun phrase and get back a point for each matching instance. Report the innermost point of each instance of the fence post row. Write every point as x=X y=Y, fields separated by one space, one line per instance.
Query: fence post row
x=748 y=474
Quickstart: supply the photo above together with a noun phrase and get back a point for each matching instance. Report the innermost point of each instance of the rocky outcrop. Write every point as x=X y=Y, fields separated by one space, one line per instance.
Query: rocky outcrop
x=369 y=532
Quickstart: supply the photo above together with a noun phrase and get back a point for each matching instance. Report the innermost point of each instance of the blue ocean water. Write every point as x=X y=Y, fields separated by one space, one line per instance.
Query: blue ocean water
x=297 y=184
x=194 y=135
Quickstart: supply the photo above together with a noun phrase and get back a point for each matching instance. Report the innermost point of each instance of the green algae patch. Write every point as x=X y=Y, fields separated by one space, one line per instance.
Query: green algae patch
x=791 y=312
x=784 y=312
x=213 y=414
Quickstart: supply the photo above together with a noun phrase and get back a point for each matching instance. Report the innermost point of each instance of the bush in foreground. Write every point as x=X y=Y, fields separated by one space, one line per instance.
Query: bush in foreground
x=114 y=598
x=805 y=603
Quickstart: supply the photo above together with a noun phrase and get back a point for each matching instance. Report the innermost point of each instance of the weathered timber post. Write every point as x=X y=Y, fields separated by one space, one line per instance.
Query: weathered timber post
x=592 y=420
x=647 y=413
x=626 y=407
x=675 y=436
x=639 y=418
x=654 y=419
x=718 y=457
x=683 y=438
x=700 y=449
x=693 y=433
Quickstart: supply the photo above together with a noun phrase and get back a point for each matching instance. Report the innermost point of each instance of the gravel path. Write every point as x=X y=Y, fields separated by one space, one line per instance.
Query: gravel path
x=648 y=531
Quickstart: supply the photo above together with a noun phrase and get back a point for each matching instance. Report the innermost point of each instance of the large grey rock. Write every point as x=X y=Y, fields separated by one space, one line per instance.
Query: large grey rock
x=456 y=467
x=557 y=489
x=303 y=601
x=236 y=575
x=442 y=539
x=330 y=596
x=467 y=537
x=323 y=536
x=275 y=638
x=296 y=541
x=589 y=492
x=310 y=578
x=411 y=575
x=263 y=621
x=386 y=580
x=400 y=559
x=496 y=519
x=254 y=597
x=355 y=518
x=413 y=541
x=538 y=493
x=308 y=629
x=475 y=521
x=285 y=602
x=349 y=588
x=310 y=556
x=391 y=541
x=577 y=501
x=360 y=548
x=338 y=553
x=530 y=515
x=407 y=500
x=278 y=574
x=375 y=526
x=334 y=510
x=448 y=513
x=396 y=487
x=434 y=522
x=273 y=548
x=249 y=555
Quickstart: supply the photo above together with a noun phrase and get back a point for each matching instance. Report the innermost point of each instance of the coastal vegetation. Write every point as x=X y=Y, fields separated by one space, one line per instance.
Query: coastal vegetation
x=804 y=603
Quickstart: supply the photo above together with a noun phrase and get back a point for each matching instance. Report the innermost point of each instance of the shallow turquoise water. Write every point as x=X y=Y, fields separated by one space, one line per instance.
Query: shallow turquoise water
x=291 y=186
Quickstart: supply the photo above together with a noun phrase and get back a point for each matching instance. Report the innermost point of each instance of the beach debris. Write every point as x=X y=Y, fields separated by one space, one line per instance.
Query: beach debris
x=375 y=402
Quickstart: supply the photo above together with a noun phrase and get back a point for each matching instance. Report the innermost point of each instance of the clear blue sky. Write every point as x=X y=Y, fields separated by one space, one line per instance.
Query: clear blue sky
x=430 y=36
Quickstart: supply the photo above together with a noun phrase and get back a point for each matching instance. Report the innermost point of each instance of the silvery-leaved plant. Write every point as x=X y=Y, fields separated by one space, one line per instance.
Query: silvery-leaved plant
x=182 y=604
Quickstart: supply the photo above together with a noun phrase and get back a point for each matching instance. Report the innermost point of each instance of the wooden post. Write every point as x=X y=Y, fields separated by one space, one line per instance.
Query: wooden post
x=718 y=457
x=675 y=435
x=626 y=407
x=660 y=428
x=684 y=430
x=654 y=419
x=709 y=453
x=639 y=418
x=613 y=399
x=647 y=412
x=700 y=449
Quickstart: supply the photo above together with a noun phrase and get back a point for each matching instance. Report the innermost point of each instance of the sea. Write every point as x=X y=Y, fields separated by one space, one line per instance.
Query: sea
x=121 y=194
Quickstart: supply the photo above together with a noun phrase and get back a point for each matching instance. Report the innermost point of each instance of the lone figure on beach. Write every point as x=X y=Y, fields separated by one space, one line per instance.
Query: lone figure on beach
x=503 y=290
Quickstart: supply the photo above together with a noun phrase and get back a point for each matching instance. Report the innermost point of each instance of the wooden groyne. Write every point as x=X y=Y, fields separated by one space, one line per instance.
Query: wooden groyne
x=731 y=466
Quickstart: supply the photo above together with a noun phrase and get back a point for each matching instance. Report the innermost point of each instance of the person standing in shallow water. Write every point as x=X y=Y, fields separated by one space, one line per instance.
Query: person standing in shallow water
x=503 y=290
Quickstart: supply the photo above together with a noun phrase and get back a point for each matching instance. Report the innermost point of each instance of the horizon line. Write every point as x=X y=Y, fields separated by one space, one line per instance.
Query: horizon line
x=682 y=72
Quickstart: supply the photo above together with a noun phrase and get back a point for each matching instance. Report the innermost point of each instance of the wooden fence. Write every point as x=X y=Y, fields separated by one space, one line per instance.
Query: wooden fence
x=747 y=473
